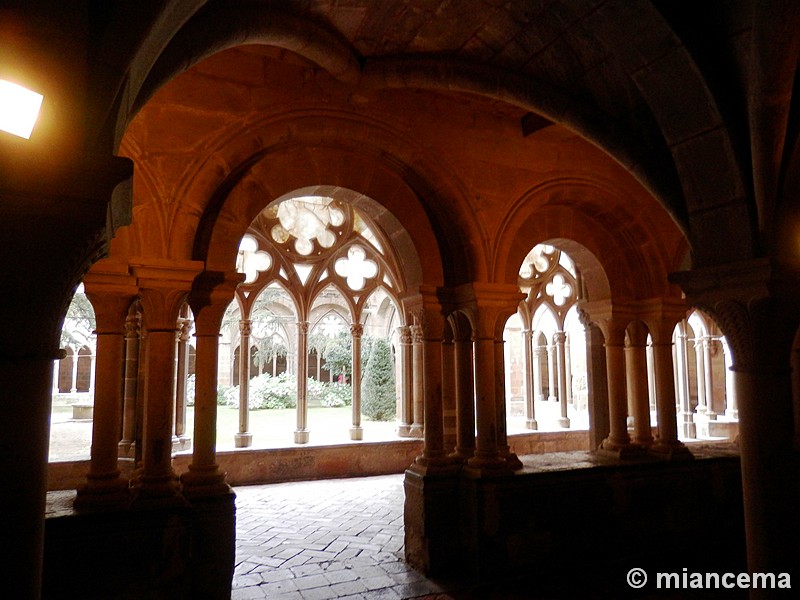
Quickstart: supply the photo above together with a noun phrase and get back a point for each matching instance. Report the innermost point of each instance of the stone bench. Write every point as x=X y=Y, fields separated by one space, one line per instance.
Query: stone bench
x=83 y=411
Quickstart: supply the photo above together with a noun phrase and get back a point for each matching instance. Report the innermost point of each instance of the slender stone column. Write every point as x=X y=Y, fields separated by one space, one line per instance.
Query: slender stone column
x=568 y=370
x=636 y=367
x=92 y=370
x=162 y=291
x=182 y=372
x=301 y=434
x=685 y=423
x=419 y=382
x=56 y=364
x=708 y=343
x=530 y=383
x=700 y=362
x=618 y=439
x=208 y=301
x=465 y=390
x=561 y=366
x=356 y=431
x=244 y=438
x=503 y=448
x=75 y=355
x=449 y=393
x=731 y=405
x=552 y=380
x=538 y=391
x=406 y=383
x=104 y=486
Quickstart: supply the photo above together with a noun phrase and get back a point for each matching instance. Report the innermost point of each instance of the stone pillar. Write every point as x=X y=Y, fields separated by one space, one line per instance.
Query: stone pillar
x=568 y=370
x=209 y=300
x=419 y=383
x=406 y=382
x=111 y=300
x=464 y=389
x=638 y=398
x=559 y=338
x=301 y=433
x=244 y=438
x=530 y=383
x=162 y=291
x=92 y=370
x=486 y=452
x=756 y=305
x=356 y=431
x=182 y=372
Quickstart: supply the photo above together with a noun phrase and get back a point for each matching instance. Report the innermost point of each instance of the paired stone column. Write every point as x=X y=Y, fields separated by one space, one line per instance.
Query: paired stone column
x=301 y=434
x=356 y=431
x=244 y=438
x=162 y=291
x=209 y=299
x=708 y=345
x=559 y=339
x=552 y=379
x=731 y=405
x=111 y=297
x=661 y=321
x=406 y=382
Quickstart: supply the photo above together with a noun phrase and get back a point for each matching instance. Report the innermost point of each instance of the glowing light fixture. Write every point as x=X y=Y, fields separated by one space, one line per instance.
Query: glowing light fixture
x=19 y=108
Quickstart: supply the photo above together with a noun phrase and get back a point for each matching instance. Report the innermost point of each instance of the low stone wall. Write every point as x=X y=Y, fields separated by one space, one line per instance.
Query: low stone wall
x=297 y=463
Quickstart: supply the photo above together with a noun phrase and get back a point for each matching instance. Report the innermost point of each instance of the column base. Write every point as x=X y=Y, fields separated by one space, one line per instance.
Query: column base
x=488 y=466
x=243 y=440
x=126 y=449
x=531 y=424
x=672 y=450
x=357 y=433
x=416 y=431
x=108 y=492
x=434 y=465
x=620 y=449
x=203 y=482
x=181 y=443
x=301 y=436
x=157 y=492
x=404 y=430
x=462 y=455
x=563 y=422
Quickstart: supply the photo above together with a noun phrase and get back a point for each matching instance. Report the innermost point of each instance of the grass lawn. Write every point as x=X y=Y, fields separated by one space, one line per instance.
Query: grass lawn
x=71 y=440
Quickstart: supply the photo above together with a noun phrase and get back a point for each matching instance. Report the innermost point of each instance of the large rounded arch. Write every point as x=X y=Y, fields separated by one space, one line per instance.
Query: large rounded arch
x=635 y=254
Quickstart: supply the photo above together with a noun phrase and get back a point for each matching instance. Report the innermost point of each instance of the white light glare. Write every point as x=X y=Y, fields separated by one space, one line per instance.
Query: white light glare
x=19 y=108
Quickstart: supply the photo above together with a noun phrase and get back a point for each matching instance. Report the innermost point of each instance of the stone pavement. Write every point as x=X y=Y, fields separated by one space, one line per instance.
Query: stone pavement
x=319 y=540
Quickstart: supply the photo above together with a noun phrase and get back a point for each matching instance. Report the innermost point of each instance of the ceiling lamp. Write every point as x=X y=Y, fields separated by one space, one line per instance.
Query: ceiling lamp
x=19 y=108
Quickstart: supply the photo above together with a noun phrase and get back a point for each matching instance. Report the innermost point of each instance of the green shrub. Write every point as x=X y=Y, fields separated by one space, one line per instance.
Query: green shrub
x=267 y=392
x=378 y=395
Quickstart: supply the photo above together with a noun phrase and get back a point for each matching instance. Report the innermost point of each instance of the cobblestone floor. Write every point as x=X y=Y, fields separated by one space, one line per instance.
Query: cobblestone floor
x=319 y=540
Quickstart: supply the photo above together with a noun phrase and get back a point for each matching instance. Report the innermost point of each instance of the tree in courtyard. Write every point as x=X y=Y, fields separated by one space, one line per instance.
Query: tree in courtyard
x=378 y=396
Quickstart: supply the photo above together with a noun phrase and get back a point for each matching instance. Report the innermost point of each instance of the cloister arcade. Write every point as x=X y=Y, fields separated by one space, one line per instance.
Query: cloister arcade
x=347 y=284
